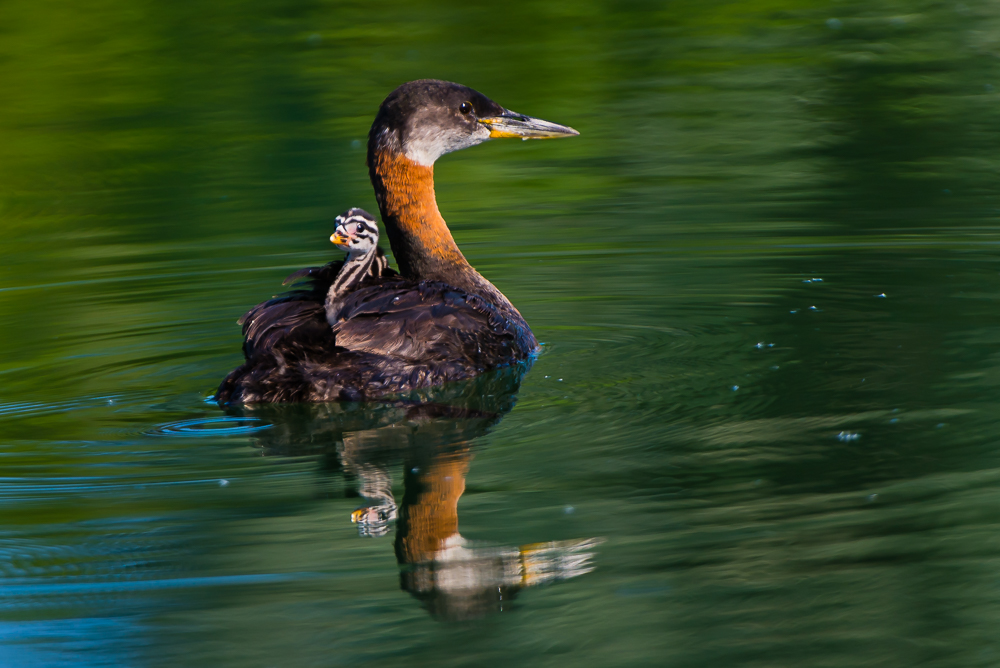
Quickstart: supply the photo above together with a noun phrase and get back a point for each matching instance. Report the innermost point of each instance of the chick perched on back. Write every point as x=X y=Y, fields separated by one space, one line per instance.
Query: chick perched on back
x=356 y=233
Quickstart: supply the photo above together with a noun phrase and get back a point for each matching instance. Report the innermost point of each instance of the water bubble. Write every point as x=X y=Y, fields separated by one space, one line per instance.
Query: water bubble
x=834 y=24
x=356 y=144
x=223 y=483
x=548 y=376
x=847 y=436
x=775 y=367
x=940 y=425
x=813 y=308
x=794 y=310
x=415 y=469
x=560 y=380
x=871 y=497
x=881 y=296
x=735 y=387
x=893 y=420
x=569 y=510
x=760 y=344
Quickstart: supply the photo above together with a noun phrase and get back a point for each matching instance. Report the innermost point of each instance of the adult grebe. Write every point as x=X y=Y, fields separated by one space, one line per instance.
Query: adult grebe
x=438 y=321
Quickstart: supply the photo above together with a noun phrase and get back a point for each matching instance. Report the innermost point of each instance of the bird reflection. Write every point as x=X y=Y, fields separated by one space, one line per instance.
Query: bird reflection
x=429 y=437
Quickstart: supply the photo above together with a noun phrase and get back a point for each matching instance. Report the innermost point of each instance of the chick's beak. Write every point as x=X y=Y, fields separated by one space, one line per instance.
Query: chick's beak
x=512 y=124
x=338 y=239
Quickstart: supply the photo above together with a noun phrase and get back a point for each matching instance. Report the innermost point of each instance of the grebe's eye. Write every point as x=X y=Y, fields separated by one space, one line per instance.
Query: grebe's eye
x=465 y=107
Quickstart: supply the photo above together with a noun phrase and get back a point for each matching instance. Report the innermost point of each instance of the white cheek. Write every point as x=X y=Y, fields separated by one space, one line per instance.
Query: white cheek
x=427 y=146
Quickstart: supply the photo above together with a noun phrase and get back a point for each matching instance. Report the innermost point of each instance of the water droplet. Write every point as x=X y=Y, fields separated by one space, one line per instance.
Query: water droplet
x=223 y=483
x=834 y=24
x=893 y=420
x=735 y=387
x=794 y=310
x=356 y=144
x=760 y=344
x=813 y=308
x=882 y=296
x=940 y=425
x=569 y=510
x=871 y=497
x=548 y=376
x=415 y=469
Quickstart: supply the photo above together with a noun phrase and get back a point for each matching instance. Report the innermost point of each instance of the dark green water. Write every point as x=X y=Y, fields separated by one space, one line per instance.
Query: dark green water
x=784 y=471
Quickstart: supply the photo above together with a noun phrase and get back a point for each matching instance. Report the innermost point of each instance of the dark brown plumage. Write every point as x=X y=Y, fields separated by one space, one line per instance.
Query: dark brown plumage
x=439 y=321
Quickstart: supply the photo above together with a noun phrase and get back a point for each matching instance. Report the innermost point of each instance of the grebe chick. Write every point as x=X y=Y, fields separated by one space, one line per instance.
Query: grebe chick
x=356 y=233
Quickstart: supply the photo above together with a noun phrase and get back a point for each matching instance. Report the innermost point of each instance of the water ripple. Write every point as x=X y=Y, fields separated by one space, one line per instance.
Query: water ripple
x=205 y=427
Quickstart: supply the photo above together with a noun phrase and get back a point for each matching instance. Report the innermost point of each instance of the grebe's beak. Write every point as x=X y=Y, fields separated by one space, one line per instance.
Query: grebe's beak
x=338 y=239
x=512 y=124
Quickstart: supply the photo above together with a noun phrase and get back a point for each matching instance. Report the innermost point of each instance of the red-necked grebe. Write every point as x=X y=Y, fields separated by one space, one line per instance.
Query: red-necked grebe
x=436 y=321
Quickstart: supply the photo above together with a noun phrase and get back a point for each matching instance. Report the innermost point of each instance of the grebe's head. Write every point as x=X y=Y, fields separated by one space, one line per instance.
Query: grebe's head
x=425 y=119
x=356 y=232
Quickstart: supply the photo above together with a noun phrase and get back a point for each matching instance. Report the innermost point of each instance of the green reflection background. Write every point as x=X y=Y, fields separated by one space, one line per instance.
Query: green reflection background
x=164 y=165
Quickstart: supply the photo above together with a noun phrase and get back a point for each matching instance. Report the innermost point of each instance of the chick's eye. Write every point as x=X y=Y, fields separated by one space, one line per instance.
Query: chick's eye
x=465 y=107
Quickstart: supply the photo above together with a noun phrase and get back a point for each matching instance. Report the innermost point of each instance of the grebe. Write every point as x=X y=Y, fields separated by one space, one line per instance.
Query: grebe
x=357 y=233
x=438 y=320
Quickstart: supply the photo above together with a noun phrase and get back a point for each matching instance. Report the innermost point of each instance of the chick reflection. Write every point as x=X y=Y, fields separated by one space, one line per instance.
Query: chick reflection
x=430 y=441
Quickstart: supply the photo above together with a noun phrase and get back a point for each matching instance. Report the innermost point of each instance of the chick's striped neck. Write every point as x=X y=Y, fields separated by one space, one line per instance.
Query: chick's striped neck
x=355 y=269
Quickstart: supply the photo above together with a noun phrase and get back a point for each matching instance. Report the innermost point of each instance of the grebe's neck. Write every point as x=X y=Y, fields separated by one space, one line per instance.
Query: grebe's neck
x=356 y=267
x=419 y=237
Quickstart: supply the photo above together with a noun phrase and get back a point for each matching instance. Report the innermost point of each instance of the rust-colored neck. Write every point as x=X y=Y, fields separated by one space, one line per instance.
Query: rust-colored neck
x=420 y=239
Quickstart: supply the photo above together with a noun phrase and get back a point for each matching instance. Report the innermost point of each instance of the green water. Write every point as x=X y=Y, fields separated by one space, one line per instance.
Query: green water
x=768 y=469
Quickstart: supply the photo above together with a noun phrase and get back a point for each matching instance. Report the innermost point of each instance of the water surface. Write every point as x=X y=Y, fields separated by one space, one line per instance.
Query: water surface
x=766 y=275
